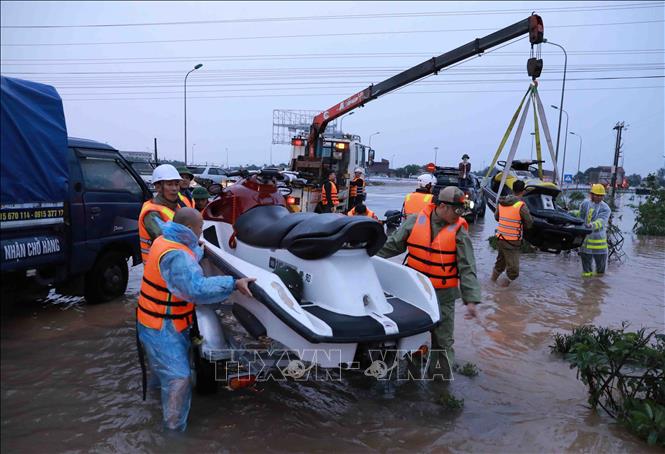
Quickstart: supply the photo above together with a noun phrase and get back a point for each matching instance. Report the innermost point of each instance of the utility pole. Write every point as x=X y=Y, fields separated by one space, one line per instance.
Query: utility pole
x=156 y=160
x=617 y=151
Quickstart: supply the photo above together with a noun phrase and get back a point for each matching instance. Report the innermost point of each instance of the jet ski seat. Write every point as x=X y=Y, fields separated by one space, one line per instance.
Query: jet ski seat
x=309 y=236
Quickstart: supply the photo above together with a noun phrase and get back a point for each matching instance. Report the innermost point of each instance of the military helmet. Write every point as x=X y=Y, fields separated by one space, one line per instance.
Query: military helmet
x=200 y=192
x=451 y=195
x=182 y=170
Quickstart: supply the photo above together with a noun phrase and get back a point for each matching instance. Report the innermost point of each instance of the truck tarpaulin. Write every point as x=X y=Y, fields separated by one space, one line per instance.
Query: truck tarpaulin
x=33 y=146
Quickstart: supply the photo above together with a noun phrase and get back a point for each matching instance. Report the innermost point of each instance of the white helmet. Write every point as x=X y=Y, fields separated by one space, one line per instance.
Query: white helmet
x=425 y=179
x=165 y=172
x=359 y=170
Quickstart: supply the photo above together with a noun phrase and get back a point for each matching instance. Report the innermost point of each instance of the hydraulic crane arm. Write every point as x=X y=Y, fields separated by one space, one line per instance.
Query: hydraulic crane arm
x=533 y=25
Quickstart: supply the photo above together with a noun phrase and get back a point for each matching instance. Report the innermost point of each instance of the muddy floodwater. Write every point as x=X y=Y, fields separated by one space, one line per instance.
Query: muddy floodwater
x=71 y=380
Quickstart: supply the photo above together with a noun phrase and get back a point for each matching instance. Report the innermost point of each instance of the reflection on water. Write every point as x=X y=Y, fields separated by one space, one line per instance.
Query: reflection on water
x=71 y=382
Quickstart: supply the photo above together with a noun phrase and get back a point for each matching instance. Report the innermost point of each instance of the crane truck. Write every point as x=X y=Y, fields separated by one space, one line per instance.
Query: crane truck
x=317 y=154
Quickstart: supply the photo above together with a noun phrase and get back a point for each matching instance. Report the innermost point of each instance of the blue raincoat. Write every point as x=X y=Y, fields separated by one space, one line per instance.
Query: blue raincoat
x=167 y=350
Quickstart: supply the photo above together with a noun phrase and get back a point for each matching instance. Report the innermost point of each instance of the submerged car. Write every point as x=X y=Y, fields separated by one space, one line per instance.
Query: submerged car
x=554 y=229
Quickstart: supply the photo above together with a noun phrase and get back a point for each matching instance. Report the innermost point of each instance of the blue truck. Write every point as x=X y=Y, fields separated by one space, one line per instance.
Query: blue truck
x=69 y=207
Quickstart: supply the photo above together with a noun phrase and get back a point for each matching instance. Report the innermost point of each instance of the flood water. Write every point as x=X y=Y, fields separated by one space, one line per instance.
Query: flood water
x=71 y=380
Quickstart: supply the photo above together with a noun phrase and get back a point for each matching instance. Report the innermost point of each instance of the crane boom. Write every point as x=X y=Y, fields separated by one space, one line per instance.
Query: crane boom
x=533 y=25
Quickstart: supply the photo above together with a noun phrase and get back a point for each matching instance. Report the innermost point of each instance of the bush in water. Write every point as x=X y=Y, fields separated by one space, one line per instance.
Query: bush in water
x=650 y=219
x=624 y=373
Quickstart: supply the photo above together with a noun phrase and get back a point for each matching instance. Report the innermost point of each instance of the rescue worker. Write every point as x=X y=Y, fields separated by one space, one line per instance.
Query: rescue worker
x=421 y=197
x=201 y=197
x=162 y=207
x=439 y=247
x=173 y=282
x=362 y=210
x=464 y=168
x=185 y=195
x=513 y=216
x=329 y=199
x=357 y=188
x=596 y=215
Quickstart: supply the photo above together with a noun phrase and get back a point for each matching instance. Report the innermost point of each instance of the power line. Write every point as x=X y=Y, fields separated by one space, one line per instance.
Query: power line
x=323 y=69
x=135 y=60
x=345 y=94
x=324 y=85
x=319 y=35
x=591 y=8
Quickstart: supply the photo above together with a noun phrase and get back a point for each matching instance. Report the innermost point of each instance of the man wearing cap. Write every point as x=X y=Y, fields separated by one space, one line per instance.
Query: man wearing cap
x=513 y=217
x=356 y=188
x=185 y=195
x=161 y=208
x=596 y=215
x=439 y=247
x=200 y=196
x=464 y=168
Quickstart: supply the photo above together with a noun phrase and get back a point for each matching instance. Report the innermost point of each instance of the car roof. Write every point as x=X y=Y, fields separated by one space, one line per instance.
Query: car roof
x=87 y=143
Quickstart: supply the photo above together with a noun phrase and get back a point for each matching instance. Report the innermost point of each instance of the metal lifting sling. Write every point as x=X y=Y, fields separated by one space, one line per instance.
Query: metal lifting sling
x=538 y=112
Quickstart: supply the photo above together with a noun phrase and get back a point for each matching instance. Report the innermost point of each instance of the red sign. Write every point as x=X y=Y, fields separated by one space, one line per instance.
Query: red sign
x=430 y=167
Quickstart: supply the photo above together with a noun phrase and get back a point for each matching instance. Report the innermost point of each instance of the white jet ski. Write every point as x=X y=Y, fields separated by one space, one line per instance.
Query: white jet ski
x=320 y=291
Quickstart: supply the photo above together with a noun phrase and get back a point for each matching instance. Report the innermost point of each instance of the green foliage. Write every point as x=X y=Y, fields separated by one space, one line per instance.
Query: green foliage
x=406 y=171
x=450 y=402
x=634 y=180
x=650 y=215
x=570 y=201
x=468 y=369
x=624 y=373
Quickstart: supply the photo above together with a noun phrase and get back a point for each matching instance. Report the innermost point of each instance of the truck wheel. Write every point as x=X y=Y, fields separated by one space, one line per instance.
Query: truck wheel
x=106 y=280
x=205 y=374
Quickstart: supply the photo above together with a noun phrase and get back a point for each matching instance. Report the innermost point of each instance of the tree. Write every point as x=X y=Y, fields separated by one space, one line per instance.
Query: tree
x=634 y=180
x=581 y=178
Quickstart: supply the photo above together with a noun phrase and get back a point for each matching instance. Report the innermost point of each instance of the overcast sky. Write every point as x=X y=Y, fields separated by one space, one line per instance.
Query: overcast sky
x=124 y=84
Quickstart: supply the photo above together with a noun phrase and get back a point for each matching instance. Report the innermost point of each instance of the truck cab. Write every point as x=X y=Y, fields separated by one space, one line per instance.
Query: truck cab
x=341 y=153
x=69 y=213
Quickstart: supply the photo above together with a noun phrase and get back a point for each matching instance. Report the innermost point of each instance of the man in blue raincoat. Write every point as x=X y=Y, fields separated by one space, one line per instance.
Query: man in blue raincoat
x=173 y=282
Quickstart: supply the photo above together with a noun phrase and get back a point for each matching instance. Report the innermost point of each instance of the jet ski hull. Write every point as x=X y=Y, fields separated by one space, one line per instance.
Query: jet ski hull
x=348 y=300
x=554 y=229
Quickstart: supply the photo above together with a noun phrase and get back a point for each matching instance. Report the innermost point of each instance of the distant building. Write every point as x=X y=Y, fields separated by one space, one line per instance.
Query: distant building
x=379 y=167
x=603 y=175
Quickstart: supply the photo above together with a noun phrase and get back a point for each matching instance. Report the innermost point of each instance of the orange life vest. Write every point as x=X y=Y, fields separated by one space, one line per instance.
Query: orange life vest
x=156 y=303
x=369 y=213
x=415 y=202
x=165 y=213
x=436 y=259
x=184 y=201
x=357 y=190
x=333 y=195
x=510 y=222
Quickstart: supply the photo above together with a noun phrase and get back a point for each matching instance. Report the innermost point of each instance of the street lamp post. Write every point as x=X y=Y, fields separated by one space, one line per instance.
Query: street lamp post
x=370 y=138
x=436 y=152
x=195 y=68
x=533 y=138
x=193 y=145
x=579 y=154
x=341 y=121
x=565 y=143
x=563 y=89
